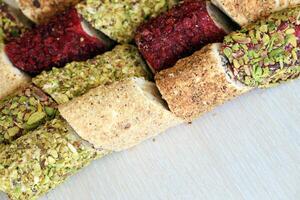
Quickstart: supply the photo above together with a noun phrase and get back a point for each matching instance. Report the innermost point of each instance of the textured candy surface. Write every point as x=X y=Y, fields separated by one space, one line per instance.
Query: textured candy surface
x=54 y=44
x=267 y=52
x=175 y=34
x=76 y=78
x=119 y=19
x=24 y=111
x=42 y=159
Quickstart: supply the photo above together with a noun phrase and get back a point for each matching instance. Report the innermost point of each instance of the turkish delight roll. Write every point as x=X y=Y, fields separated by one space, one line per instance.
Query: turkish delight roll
x=42 y=159
x=198 y=83
x=180 y=31
x=40 y=11
x=64 y=39
x=119 y=19
x=24 y=111
x=120 y=115
x=76 y=78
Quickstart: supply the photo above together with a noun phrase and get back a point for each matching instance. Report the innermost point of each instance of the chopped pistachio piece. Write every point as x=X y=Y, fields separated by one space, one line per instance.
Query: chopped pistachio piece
x=39 y=161
x=76 y=78
x=24 y=111
x=9 y=26
x=266 y=53
x=119 y=19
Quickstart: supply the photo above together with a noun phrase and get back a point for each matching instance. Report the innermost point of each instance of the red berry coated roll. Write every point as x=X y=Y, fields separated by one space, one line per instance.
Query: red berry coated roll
x=179 y=32
x=64 y=39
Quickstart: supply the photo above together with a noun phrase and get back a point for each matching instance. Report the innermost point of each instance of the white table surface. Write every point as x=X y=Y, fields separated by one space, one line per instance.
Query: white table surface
x=247 y=149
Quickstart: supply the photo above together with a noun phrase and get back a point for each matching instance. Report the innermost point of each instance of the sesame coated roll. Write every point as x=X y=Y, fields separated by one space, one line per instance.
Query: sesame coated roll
x=180 y=31
x=246 y=11
x=64 y=39
x=76 y=78
x=119 y=19
x=198 y=83
x=120 y=115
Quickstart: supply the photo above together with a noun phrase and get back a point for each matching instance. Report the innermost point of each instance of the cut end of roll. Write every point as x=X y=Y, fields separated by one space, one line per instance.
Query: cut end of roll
x=221 y=20
x=89 y=30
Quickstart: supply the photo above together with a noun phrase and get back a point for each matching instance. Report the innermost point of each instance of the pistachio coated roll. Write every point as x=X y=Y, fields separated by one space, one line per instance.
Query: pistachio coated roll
x=42 y=159
x=10 y=26
x=119 y=19
x=267 y=52
x=77 y=78
x=24 y=111
x=40 y=11
x=120 y=115
x=198 y=83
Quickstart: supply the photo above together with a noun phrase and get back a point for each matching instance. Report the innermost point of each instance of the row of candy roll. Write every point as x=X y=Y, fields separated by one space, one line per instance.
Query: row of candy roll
x=253 y=10
x=146 y=114
x=119 y=116
x=71 y=35
x=10 y=26
x=42 y=159
x=33 y=112
x=260 y=55
x=177 y=33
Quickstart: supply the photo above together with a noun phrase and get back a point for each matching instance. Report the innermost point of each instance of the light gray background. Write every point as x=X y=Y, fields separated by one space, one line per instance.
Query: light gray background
x=246 y=149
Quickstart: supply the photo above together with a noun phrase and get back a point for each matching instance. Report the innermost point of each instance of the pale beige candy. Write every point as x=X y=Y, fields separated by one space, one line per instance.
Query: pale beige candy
x=245 y=11
x=198 y=84
x=120 y=115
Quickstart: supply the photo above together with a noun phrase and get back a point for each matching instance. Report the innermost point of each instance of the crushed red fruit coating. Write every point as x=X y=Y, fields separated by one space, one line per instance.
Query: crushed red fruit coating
x=183 y=29
x=54 y=44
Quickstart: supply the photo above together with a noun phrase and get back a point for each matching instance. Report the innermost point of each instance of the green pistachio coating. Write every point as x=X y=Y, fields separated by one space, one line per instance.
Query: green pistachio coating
x=267 y=52
x=119 y=19
x=44 y=158
x=9 y=26
x=24 y=111
x=76 y=78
